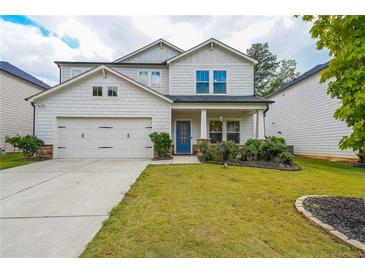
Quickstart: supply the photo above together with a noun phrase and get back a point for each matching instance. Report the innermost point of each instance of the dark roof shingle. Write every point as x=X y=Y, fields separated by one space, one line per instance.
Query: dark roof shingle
x=218 y=99
x=9 y=68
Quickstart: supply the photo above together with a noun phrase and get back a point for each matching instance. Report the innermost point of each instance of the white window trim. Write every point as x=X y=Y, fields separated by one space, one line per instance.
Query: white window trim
x=149 y=72
x=211 y=80
x=239 y=128
x=215 y=119
x=224 y=127
x=105 y=91
x=196 y=81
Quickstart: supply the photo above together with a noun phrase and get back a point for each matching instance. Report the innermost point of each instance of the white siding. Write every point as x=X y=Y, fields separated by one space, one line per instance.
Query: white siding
x=16 y=114
x=77 y=100
x=130 y=71
x=154 y=54
x=303 y=114
x=240 y=73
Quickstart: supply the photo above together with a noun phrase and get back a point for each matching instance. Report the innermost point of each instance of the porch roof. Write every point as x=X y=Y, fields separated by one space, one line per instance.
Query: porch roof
x=218 y=99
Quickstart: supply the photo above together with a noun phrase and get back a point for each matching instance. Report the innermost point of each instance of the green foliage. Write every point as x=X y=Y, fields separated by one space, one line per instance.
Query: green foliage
x=274 y=149
x=30 y=145
x=344 y=37
x=209 y=152
x=270 y=73
x=162 y=142
x=229 y=150
x=14 y=141
x=251 y=151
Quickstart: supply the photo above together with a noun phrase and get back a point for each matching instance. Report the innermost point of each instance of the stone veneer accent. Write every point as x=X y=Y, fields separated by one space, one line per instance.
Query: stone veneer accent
x=46 y=152
x=326 y=227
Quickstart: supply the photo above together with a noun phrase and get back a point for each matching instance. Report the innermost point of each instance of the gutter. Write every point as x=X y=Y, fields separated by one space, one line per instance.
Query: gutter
x=266 y=110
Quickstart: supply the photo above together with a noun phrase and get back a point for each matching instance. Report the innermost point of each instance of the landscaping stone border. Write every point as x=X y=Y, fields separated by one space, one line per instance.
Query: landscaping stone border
x=326 y=227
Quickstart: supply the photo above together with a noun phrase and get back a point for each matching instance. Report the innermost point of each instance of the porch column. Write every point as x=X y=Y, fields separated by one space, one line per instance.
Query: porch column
x=260 y=133
x=203 y=124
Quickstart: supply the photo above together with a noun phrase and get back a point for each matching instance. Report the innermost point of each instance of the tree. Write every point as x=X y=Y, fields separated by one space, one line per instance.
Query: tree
x=344 y=37
x=286 y=72
x=266 y=67
x=269 y=72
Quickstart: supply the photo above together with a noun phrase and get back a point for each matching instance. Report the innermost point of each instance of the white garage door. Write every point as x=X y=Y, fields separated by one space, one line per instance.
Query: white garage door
x=104 y=138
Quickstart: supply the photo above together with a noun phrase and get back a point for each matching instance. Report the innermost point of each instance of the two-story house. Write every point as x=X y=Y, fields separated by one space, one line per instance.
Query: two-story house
x=107 y=110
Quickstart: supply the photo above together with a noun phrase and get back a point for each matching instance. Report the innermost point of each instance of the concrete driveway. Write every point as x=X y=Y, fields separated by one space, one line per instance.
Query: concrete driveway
x=54 y=208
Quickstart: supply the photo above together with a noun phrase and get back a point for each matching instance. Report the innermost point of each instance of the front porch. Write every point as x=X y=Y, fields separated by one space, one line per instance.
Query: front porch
x=191 y=124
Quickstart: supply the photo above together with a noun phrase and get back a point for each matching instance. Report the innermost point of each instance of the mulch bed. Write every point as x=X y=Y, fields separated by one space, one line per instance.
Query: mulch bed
x=259 y=164
x=345 y=214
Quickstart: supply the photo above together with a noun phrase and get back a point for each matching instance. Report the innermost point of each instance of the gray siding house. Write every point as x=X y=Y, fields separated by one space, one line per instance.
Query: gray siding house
x=303 y=115
x=107 y=110
x=16 y=115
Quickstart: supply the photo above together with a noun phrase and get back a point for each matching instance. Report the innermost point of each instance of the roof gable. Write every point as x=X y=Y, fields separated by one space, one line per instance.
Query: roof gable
x=104 y=70
x=160 y=43
x=212 y=42
x=9 y=68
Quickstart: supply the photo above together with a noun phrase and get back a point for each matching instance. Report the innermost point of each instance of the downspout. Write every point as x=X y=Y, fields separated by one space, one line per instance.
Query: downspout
x=33 y=105
x=266 y=110
x=59 y=68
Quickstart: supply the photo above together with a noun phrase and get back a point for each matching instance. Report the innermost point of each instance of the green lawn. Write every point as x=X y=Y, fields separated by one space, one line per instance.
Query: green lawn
x=13 y=159
x=209 y=211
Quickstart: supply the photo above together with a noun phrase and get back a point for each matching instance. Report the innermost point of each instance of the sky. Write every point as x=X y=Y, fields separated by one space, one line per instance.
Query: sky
x=33 y=43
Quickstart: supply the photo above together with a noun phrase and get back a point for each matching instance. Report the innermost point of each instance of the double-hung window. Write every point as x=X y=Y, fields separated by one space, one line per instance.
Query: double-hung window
x=233 y=131
x=220 y=81
x=149 y=77
x=202 y=81
x=215 y=131
x=97 y=91
x=112 y=91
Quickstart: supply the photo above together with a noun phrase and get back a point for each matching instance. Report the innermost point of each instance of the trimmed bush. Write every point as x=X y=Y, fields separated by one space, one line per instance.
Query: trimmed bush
x=252 y=150
x=229 y=150
x=30 y=145
x=272 y=148
x=209 y=152
x=162 y=143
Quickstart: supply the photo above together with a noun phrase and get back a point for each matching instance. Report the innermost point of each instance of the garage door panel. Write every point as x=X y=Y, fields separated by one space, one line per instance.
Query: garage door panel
x=104 y=138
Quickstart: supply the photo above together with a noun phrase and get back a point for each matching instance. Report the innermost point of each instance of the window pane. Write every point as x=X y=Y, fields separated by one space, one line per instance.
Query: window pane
x=202 y=87
x=235 y=137
x=112 y=91
x=215 y=126
x=97 y=91
x=215 y=137
x=220 y=75
x=143 y=77
x=155 y=78
x=233 y=126
x=219 y=88
x=202 y=75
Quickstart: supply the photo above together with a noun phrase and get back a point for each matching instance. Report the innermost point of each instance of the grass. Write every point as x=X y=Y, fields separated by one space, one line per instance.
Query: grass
x=209 y=211
x=13 y=159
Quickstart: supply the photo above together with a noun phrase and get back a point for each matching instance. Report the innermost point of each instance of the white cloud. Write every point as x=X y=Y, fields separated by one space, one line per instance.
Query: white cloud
x=106 y=38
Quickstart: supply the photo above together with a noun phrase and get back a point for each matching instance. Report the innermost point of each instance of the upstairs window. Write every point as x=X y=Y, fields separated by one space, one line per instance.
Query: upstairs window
x=149 y=77
x=143 y=77
x=220 y=81
x=202 y=81
x=233 y=131
x=112 y=91
x=97 y=91
x=155 y=78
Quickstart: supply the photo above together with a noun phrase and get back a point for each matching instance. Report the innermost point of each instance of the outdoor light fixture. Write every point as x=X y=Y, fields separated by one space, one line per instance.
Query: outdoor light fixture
x=221 y=118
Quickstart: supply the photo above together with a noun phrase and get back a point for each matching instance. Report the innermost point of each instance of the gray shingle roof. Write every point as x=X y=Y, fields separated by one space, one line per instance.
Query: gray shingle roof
x=9 y=68
x=218 y=99
x=305 y=75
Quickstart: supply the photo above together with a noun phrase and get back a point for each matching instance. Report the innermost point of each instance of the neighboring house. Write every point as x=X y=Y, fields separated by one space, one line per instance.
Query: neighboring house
x=303 y=115
x=108 y=110
x=16 y=114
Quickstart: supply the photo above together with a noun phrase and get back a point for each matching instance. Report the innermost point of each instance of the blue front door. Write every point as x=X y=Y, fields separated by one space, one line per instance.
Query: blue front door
x=183 y=137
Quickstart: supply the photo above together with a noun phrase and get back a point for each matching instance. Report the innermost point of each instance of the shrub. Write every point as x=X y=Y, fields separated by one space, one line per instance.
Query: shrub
x=209 y=152
x=251 y=150
x=272 y=148
x=285 y=157
x=162 y=142
x=229 y=150
x=14 y=141
x=30 y=145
